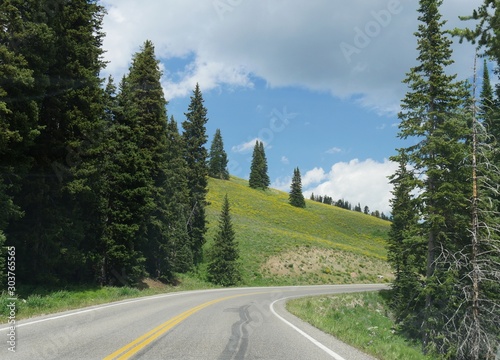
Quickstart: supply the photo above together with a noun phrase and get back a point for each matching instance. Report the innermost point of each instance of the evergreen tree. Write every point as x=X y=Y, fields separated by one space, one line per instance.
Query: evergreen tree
x=18 y=113
x=136 y=175
x=195 y=153
x=177 y=193
x=258 y=169
x=217 y=165
x=475 y=326
x=489 y=112
x=223 y=267
x=296 y=198
x=432 y=112
x=264 y=170
x=478 y=331
x=406 y=249
x=64 y=51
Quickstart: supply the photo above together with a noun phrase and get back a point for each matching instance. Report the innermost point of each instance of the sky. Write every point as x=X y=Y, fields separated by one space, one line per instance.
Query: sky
x=319 y=82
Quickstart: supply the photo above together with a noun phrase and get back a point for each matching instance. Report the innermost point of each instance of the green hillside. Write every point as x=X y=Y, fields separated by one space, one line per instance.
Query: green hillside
x=281 y=244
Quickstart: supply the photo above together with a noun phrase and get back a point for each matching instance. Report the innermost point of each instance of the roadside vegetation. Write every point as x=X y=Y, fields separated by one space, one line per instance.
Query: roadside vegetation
x=363 y=320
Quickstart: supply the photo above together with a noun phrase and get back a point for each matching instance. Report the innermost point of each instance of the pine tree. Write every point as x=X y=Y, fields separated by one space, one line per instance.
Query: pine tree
x=195 y=153
x=432 y=112
x=406 y=248
x=259 y=178
x=223 y=267
x=217 y=164
x=255 y=179
x=64 y=51
x=475 y=324
x=265 y=177
x=296 y=198
x=18 y=119
x=177 y=193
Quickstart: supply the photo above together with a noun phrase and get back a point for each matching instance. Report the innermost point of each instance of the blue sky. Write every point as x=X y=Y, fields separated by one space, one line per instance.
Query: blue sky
x=319 y=82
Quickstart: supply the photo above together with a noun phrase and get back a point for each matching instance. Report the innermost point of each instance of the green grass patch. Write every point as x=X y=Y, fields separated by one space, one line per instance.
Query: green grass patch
x=362 y=320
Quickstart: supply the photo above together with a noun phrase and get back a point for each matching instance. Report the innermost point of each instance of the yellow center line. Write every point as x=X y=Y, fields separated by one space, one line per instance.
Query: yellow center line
x=141 y=342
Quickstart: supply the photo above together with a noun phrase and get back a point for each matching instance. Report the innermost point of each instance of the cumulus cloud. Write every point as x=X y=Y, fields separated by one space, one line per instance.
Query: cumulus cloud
x=356 y=181
x=312 y=177
x=285 y=160
x=352 y=49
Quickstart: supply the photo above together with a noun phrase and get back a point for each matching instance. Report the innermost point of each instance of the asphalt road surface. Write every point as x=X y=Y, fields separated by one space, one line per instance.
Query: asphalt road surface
x=239 y=323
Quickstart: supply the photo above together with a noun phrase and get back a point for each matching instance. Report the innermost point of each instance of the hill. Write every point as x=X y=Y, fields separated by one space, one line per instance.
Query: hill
x=281 y=245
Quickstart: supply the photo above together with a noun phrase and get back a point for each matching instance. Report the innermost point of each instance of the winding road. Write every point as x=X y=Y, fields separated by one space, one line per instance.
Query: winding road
x=235 y=323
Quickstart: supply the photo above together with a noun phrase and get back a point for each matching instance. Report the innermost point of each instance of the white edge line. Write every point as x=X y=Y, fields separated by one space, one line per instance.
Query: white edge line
x=93 y=308
x=307 y=336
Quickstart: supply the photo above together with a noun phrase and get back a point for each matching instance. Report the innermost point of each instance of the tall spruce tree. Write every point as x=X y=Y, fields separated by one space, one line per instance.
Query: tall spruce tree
x=478 y=331
x=223 y=267
x=406 y=249
x=145 y=110
x=18 y=113
x=143 y=212
x=432 y=115
x=65 y=56
x=259 y=179
x=475 y=325
x=296 y=198
x=178 y=207
x=264 y=170
x=194 y=138
x=217 y=164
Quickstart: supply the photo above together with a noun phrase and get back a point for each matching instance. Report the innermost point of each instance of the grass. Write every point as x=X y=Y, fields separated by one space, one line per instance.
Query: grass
x=269 y=230
x=362 y=320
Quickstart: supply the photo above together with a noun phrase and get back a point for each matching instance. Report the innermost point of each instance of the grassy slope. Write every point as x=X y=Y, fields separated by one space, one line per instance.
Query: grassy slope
x=268 y=228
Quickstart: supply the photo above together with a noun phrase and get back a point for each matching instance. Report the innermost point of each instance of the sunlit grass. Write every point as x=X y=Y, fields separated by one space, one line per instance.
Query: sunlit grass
x=362 y=320
x=266 y=225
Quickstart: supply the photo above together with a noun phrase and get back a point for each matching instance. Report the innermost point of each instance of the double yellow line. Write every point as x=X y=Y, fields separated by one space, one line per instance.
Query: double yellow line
x=141 y=342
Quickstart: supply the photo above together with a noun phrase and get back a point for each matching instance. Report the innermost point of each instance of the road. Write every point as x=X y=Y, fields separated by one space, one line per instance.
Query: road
x=236 y=323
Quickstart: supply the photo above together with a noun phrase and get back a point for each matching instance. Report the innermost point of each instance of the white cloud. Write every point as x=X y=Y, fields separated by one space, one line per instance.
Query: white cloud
x=313 y=176
x=297 y=43
x=356 y=181
x=285 y=160
x=246 y=146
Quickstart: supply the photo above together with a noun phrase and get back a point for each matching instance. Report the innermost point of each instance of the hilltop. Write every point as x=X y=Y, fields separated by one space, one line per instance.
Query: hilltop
x=281 y=244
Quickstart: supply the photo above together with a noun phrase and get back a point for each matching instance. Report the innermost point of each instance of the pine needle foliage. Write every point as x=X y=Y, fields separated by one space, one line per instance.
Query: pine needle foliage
x=296 y=197
x=217 y=163
x=223 y=266
x=259 y=179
